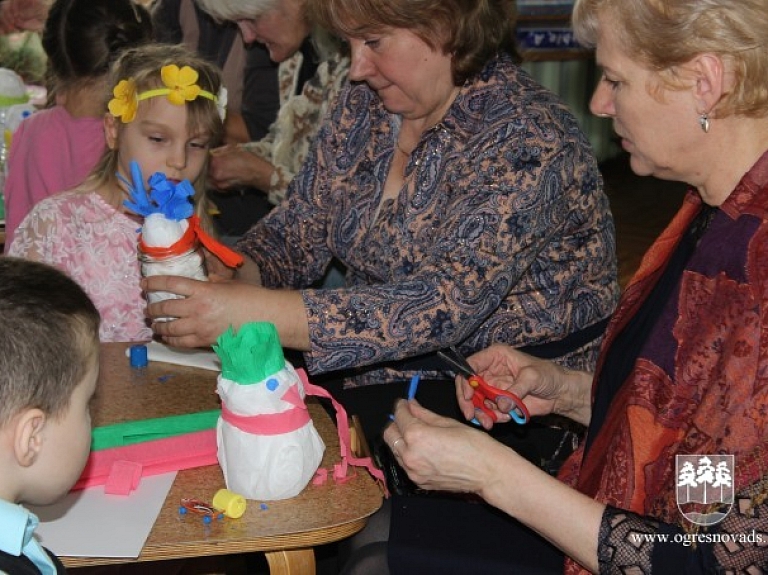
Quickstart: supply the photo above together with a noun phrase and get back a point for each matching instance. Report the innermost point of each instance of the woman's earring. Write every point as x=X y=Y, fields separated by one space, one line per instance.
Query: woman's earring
x=704 y=122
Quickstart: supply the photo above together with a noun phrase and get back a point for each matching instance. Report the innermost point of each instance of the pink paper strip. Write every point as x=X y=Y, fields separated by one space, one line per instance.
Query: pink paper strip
x=185 y=451
x=123 y=478
x=340 y=470
x=268 y=423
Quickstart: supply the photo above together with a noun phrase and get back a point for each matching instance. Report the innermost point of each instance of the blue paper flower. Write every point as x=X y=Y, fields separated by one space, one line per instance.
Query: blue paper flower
x=174 y=201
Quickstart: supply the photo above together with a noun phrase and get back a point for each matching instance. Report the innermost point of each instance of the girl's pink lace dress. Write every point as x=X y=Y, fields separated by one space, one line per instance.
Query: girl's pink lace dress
x=95 y=244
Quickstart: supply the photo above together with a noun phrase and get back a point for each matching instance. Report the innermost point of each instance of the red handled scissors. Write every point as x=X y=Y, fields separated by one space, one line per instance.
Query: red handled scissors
x=483 y=391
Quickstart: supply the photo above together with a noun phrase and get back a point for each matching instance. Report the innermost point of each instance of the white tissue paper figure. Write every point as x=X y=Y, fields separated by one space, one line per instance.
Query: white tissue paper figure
x=268 y=446
x=171 y=235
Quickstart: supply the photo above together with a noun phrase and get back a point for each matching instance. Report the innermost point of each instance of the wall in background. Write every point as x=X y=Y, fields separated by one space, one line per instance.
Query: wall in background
x=574 y=80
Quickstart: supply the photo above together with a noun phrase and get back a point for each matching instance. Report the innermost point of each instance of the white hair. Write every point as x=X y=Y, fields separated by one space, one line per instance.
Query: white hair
x=236 y=9
x=325 y=43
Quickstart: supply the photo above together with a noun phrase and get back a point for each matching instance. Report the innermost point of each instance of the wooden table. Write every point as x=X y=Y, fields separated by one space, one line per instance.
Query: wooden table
x=286 y=530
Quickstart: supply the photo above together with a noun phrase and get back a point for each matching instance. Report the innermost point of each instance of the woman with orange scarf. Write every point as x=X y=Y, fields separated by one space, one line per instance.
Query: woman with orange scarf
x=682 y=381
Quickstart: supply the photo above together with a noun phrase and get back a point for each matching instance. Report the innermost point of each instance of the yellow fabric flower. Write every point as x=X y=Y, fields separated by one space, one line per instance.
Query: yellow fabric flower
x=182 y=83
x=124 y=103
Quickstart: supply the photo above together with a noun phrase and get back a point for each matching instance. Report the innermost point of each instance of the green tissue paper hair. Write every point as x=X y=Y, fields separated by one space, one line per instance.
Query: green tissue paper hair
x=250 y=355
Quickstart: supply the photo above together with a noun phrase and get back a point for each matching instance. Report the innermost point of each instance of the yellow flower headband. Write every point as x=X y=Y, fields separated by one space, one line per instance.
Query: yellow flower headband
x=180 y=87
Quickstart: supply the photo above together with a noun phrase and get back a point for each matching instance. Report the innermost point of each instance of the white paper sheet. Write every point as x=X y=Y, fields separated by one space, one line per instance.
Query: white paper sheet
x=89 y=523
x=202 y=358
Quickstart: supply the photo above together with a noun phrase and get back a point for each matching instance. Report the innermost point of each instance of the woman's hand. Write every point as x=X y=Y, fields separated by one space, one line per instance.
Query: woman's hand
x=203 y=314
x=443 y=454
x=544 y=386
x=207 y=309
x=440 y=453
x=233 y=167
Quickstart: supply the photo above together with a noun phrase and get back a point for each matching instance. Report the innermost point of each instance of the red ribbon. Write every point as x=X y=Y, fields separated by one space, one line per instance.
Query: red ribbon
x=194 y=232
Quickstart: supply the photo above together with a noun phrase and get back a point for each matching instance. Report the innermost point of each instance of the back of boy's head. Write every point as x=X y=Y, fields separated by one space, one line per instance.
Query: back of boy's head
x=82 y=37
x=48 y=338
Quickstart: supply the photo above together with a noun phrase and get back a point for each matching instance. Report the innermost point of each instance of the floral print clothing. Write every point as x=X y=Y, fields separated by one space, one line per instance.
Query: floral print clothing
x=84 y=236
x=291 y=134
x=500 y=233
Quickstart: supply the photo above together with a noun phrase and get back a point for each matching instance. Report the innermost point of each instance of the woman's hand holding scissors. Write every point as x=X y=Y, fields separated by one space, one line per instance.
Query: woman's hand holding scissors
x=543 y=386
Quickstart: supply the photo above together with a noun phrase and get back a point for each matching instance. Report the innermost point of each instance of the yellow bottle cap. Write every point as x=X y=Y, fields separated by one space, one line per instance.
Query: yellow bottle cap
x=231 y=504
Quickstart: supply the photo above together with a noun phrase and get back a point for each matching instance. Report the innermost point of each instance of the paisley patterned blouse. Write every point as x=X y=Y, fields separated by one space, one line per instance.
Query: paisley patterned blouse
x=501 y=232
x=82 y=235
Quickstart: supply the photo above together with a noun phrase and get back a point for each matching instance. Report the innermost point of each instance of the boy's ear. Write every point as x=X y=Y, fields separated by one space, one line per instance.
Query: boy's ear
x=28 y=436
x=110 y=130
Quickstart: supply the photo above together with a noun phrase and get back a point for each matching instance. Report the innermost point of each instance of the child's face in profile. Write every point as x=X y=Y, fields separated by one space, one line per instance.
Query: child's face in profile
x=66 y=443
x=158 y=139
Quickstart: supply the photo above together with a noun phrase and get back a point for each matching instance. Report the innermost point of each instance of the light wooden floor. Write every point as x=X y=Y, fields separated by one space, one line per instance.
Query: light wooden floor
x=642 y=207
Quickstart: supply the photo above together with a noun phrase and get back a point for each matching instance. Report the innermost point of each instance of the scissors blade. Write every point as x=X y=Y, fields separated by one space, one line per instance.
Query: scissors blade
x=456 y=364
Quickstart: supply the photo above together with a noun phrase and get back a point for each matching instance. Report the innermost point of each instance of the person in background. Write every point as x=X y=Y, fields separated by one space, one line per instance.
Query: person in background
x=253 y=97
x=22 y=15
x=311 y=72
x=462 y=197
x=88 y=231
x=249 y=75
x=49 y=365
x=56 y=148
x=683 y=370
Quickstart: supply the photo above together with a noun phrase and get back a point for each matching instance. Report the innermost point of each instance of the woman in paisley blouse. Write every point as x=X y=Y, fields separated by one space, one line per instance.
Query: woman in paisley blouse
x=684 y=369
x=461 y=196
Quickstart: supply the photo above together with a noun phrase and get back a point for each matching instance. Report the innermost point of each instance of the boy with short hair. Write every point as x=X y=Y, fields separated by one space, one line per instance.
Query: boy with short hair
x=49 y=364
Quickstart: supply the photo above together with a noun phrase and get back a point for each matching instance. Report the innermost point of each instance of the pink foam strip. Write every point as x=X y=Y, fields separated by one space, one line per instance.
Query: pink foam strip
x=185 y=451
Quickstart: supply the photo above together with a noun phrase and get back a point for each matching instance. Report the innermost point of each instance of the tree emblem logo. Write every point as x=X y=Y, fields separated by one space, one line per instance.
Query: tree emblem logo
x=705 y=487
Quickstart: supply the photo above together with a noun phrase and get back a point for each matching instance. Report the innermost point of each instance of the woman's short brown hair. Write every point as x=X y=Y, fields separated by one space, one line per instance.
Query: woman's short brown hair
x=665 y=34
x=473 y=31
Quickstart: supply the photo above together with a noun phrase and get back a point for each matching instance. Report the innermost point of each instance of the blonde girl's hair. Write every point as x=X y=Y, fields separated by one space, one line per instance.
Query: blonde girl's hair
x=666 y=34
x=143 y=65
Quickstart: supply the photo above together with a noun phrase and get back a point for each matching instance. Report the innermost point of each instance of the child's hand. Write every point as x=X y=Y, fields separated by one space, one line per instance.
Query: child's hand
x=217 y=270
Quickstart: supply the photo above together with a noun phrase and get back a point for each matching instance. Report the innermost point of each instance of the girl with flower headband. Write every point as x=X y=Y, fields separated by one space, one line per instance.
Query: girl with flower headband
x=165 y=113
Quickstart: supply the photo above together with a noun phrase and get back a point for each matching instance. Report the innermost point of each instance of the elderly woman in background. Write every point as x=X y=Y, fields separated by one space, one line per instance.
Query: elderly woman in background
x=684 y=369
x=461 y=196
x=311 y=71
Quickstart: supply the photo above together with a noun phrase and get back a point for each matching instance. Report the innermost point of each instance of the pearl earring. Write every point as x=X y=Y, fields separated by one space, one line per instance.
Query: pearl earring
x=704 y=122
